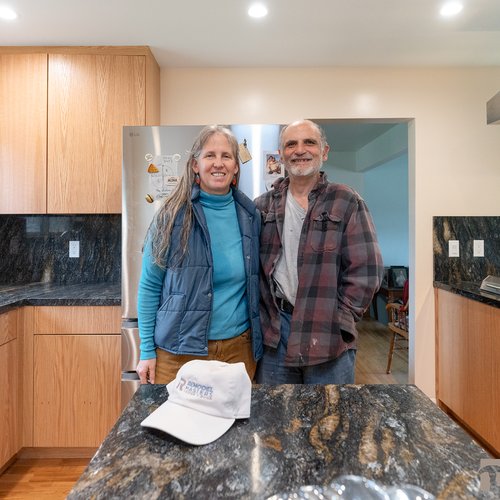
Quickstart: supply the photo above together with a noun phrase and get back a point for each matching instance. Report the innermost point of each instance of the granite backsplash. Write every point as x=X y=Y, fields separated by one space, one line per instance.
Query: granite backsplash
x=466 y=267
x=35 y=248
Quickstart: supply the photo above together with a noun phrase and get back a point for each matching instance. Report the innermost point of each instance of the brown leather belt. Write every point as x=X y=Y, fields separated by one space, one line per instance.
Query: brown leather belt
x=284 y=305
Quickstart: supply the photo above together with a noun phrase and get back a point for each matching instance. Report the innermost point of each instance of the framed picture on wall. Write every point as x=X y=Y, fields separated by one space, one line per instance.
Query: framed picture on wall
x=398 y=276
x=385 y=279
x=273 y=167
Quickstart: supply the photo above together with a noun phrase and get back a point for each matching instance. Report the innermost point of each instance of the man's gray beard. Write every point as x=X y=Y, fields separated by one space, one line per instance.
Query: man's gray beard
x=301 y=172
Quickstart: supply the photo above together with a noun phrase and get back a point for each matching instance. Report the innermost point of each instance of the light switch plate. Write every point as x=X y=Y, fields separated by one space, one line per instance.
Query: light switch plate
x=478 y=248
x=453 y=248
x=74 y=249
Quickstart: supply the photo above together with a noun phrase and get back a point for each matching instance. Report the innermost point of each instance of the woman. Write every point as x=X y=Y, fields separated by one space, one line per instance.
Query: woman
x=198 y=292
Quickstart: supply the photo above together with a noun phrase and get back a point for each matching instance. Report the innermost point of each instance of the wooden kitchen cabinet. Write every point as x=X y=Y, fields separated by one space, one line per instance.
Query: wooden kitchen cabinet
x=468 y=371
x=67 y=157
x=76 y=374
x=23 y=133
x=9 y=388
x=91 y=97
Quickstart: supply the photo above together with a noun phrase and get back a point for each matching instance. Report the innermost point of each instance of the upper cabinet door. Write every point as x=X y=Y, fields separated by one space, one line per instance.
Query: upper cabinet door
x=90 y=99
x=23 y=133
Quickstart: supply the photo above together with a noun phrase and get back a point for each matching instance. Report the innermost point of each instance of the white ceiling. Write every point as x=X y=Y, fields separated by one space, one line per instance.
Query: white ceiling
x=296 y=33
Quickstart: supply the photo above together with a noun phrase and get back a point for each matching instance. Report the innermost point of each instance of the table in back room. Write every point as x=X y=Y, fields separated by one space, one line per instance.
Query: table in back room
x=389 y=294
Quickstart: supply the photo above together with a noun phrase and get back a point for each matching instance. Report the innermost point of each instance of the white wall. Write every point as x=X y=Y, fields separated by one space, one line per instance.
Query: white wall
x=454 y=157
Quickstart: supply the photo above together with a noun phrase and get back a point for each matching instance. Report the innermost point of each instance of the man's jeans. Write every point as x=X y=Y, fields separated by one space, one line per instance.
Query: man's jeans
x=271 y=369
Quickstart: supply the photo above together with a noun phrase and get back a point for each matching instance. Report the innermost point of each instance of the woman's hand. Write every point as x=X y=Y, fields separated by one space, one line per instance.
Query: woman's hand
x=146 y=370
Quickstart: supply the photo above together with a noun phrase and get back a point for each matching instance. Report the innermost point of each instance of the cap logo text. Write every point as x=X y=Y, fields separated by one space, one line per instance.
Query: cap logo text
x=195 y=389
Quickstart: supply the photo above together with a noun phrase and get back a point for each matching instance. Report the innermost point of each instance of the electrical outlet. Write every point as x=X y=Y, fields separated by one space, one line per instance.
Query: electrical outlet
x=478 y=248
x=74 y=249
x=453 y=248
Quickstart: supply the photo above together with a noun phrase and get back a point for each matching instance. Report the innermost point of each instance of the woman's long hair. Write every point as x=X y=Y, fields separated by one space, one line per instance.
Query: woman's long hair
x=160 y=230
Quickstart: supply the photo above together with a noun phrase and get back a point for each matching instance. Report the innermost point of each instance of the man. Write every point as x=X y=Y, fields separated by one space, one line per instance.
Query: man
x=321 y=265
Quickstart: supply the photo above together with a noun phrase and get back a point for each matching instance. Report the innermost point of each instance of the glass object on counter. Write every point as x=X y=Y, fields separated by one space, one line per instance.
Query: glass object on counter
x=350 y=487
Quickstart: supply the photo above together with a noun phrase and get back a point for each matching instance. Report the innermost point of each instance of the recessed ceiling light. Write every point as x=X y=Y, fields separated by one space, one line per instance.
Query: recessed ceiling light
x=450 y=9
x=7 y=13
x=257 y=10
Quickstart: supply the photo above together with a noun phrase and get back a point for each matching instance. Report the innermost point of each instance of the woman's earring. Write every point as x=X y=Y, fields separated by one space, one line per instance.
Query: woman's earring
x=197 y=178
x=233 y=182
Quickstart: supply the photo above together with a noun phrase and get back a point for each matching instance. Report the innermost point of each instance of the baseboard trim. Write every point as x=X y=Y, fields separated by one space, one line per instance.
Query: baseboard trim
x=7 y=464
x=42 y=452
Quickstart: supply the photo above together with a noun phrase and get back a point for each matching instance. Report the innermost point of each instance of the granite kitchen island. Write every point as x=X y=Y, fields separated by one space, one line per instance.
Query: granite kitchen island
x=296 y=435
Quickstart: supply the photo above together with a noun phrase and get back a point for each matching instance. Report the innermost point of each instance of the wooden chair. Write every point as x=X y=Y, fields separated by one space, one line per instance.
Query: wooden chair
x=398 y=324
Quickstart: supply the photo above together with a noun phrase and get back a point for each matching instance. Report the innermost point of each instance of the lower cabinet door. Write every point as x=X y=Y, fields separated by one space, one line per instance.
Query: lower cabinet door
x=9 y=418
x=76 y=389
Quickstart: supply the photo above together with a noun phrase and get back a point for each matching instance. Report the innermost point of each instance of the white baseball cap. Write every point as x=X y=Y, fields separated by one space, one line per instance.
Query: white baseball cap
x=204 y=400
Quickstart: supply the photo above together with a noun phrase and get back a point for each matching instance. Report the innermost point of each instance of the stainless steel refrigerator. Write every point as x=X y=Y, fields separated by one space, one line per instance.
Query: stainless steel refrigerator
x=153 y=160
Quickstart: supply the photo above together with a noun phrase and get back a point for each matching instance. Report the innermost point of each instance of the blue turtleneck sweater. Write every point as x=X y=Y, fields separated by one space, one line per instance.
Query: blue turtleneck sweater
x=229 y=310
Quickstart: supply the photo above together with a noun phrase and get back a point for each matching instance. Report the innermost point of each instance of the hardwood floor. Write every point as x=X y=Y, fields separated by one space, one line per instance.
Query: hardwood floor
x=41 y=479
x=371 y=360
x=53 y=478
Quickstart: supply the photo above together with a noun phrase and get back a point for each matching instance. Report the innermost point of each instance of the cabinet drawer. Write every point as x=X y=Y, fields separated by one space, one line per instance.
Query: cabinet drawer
x=79 y=320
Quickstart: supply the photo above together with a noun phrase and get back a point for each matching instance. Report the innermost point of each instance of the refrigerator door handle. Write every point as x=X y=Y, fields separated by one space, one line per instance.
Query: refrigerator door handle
x=130 y=343
x=129 y=384
x=128 y=376
x=130 y=357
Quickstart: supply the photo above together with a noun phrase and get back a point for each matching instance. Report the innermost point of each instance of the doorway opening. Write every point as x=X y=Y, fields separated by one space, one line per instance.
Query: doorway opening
x=374 y=157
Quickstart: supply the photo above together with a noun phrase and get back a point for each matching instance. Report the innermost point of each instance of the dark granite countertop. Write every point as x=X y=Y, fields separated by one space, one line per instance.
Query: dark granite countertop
x=48 y=294
x=296 y=435
x=469 y=290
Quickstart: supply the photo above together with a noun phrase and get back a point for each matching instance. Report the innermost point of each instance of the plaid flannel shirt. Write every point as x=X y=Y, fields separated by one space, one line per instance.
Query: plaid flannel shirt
x=339 y=270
